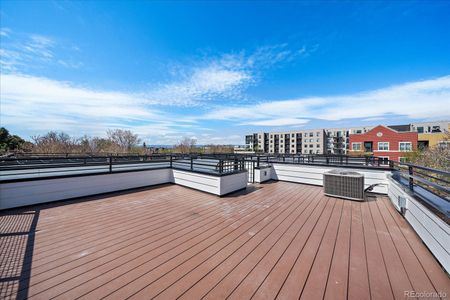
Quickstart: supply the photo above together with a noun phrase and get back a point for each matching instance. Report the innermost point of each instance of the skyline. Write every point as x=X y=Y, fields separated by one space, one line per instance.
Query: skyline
x=215 y=72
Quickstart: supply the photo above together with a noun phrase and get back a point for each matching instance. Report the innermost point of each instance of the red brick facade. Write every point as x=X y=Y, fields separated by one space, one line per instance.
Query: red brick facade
x=382 y=134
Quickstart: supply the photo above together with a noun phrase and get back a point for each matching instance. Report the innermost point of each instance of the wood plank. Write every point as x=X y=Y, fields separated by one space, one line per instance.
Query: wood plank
x=247 y=255
x=379 y=280
x=358 y=275
x=337 y=281
x=282 y=240
x=433 y=270
x=118 y=274
x=261 y=226
x=417 y=276
x=293 y=286
x=277 y=276
x=252 y=250
x=397 y=274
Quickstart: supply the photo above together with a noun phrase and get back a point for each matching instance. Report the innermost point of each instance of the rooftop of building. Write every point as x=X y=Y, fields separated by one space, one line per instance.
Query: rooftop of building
x=276 y=239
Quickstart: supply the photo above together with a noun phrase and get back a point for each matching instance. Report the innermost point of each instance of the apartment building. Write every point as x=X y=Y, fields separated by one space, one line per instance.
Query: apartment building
x=304 y=141
x=337 y=140
x=385 y=142
x=314 y=141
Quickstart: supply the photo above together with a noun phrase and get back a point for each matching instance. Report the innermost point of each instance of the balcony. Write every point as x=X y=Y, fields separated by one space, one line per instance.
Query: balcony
x=170 y=241
x=279 y=237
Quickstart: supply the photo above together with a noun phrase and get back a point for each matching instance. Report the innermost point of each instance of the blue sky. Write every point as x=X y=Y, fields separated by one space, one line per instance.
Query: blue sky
x=218 y=70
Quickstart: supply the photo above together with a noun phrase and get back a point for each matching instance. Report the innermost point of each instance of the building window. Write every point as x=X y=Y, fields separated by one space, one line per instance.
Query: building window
x=383 y=146
x=318 y=140
x=318 y=134
x=318 y=145
x=405 y=146
x=311 y=134
x=420 y=129
x=356 y=146
x=292 y=135
x=306 y=134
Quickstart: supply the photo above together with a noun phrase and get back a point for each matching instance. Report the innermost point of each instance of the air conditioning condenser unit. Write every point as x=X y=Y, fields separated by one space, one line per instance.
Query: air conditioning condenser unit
x=344 y=184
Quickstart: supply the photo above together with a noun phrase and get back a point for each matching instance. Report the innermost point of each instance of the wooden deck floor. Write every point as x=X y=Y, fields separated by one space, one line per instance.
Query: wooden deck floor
x=279 y=240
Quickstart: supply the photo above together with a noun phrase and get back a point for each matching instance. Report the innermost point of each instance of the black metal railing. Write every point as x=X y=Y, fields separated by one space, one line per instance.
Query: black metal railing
x=430 y=186
x=427 y=183
x=320 y=159
x=17 y=168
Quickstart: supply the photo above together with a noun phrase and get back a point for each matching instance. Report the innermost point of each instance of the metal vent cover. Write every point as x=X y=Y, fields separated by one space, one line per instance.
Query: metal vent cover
x=344 y=184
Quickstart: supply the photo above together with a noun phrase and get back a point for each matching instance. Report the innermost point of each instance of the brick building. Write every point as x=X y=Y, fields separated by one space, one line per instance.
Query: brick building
x=384 y=142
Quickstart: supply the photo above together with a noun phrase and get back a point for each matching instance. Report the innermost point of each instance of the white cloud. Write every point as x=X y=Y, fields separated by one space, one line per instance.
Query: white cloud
x=277 y=122
x=5 y=32
x=208 y=83
x=36 y=102
x=22 y=51
x=37 y=105
x=422 y=99
x=222 y=78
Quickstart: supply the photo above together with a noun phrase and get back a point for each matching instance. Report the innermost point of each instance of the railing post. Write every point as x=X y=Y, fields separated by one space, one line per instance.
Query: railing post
x=221 y=166
x=327 y=160
x=171 y=160
x=411 y=179
x=391 y=164
x=236 y=164
x=192 y=163
x=110 y=164
x=367 y=160
x=257 y=161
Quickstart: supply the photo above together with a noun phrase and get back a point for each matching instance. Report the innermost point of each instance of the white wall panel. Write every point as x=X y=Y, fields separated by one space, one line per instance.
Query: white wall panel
x=314 y=175
x=433 y=231
x=39 y=191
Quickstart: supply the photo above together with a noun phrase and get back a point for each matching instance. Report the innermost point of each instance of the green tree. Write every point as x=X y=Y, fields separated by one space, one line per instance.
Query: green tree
x=10 y=142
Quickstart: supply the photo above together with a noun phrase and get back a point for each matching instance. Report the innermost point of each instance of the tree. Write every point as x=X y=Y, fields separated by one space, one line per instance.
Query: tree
x=218 y=149
x=54 y=142
x=436 y=157
x=125 y=139
x=10 y=142
x=186 y=145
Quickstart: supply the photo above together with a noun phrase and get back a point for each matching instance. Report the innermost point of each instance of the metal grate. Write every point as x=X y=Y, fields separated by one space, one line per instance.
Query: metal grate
x=344 y=184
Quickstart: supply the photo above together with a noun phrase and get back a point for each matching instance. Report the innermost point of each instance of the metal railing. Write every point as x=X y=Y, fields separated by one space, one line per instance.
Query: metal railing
x=426 y=183
x=19 y=168
x=430 y=186
x=318 y=159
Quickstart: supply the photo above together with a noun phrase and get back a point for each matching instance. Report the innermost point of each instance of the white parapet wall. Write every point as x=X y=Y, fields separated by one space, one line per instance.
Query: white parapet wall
x=314 y=175
x=217 y=185
x=22 y=193
x=31 y=192
x=233 y=182
x=263 y=174
x=433 y=231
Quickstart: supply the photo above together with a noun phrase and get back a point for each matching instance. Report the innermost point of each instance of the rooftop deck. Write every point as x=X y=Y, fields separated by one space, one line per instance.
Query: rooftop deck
x=274 y=240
